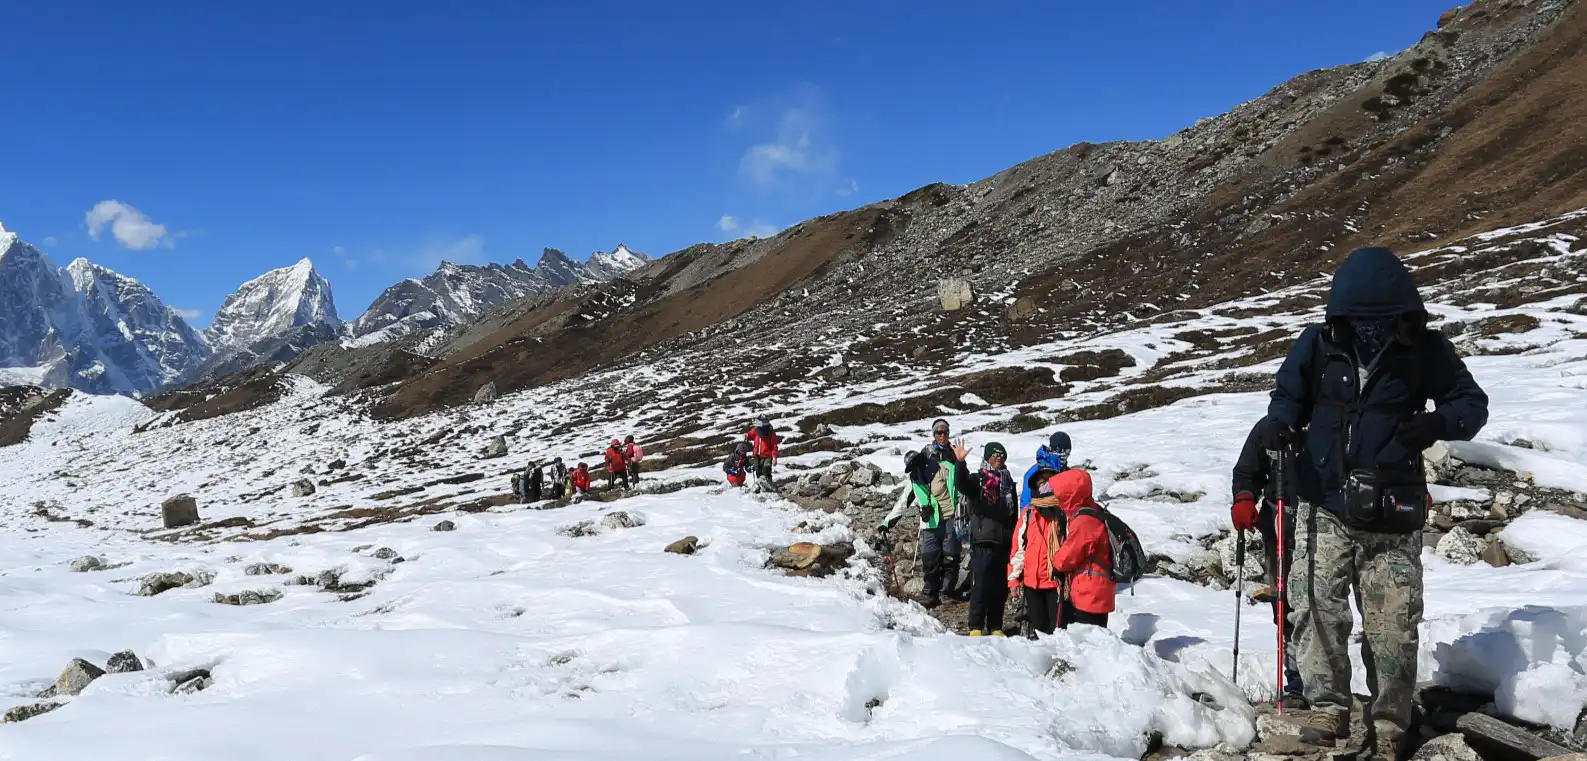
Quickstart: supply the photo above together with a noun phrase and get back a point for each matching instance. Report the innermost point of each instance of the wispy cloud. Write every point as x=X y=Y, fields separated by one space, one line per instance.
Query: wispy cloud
x=1378 y=56
x=130 y=227
x=849 y=190
x=188 y=314
x=796 y=150
x=338 y=250
x=49 y=240
x=469 y=249
x=736 y=116
x=727 y=223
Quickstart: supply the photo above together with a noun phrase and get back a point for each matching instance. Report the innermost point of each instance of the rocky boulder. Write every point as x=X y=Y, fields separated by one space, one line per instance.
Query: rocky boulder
x=621 y=519
x=1461 y=547
x=73 y=679
x=486 y=393
x=249 y=597
x=180 y=510
x=87 y=563
x=124 y=662
x=496 y=448
x=265 y=569
x=23 y=713
x=685 y=546
x=190 y=681
x=156 y=583
x=810 y=559
x=954 y=294
x=444 y=526
x=303 y=488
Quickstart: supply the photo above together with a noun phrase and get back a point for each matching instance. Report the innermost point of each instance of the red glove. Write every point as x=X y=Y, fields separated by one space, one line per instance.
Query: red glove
x=1015 y=586
x=1244 y=511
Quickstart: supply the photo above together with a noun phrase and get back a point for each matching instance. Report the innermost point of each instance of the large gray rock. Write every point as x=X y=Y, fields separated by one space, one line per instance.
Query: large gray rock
x=303 y=488
x=265 y=569
x=444 y=526
x=486 y=393
x=249 y=597
x=1227 y=553
x=180 y=510
x=496 y=448
x=622 y=519
x=163 y=581
x=1461 y=547
x=124 y=662
x=87 y=563
x=23 y=713
x=73 y=679
x=190 y=681
x=864 y=475
x=954 y=294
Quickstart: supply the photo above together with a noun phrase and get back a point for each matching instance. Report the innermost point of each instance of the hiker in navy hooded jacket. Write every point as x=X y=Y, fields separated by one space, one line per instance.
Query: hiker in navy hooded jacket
x=1362 y=381
x=1051 y=460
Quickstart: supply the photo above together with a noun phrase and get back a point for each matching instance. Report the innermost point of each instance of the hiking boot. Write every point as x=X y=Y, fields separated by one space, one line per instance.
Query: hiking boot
x=1294 y=701
x=1388 y=741
x=1325 y=727
x=931 y=602
x=976 y=633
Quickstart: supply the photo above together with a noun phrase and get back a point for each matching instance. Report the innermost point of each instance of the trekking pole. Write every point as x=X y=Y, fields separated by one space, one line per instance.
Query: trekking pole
x=1239 y=601
x=1280 y=468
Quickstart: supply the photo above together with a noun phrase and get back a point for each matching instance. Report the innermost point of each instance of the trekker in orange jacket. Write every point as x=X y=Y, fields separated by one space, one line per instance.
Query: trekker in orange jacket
x=581 y=481
x=1085 y=556
x=1030 y=572
x=616 y=465
x=764 y=440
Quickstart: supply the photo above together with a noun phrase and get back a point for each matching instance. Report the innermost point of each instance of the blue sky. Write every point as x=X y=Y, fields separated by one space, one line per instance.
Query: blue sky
x=208 y=142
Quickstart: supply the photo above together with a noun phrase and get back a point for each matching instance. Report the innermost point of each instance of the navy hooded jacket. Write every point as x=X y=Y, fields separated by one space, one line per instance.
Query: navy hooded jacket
x=1354 y=415
x=1046 y=459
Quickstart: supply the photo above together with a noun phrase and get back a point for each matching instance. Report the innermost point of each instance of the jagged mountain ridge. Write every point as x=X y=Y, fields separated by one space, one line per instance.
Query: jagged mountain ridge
x=456 y=294
x=88 y=327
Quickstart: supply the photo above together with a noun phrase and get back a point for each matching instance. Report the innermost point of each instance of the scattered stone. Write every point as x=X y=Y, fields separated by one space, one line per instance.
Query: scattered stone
x=164 y=581
x=1461 y=547
x=1437 y=462
x=1482 y=526
x=179 y=511
x=1446 y=748
x=1464 y=510
x=265 y=569
x=124 y=662
x=1060 y=669
x=954 y=294
x=87 y=563
x=1495 y=555
x=336 y=464
x=1272 y=725
x=73 y=679
x=249 y=597
x=810 y=559
x=622 y=519
x=303 y=487
x=1022 y=308
x=386 y=553
x=685 y=546
x=23 y=713
x=864 y=476
x=486 y=393
x=582 y=528
x=496 y=448
x=1516 y=556
x=444 y=526
x=1225 y=549
x=190 y=681
x=1500 y=740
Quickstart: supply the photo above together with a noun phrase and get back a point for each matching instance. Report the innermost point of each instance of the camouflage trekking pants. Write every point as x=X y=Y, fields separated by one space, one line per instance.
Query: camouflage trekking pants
x=1386 y=573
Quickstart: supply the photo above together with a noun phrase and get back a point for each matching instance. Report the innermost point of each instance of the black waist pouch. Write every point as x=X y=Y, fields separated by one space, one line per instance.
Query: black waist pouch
x=1385 y=501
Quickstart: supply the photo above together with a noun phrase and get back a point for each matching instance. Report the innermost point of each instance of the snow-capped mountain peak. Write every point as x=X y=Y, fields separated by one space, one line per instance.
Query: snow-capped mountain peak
x=618 y=263
x=272 y=305
x=7 y=239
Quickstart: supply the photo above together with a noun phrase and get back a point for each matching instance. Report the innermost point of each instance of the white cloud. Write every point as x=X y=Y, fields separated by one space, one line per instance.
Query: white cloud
x=1378 y=56
x=736 y=117
x=797 y=153
x=853 y=187
x=338 y=250
x=469 y=249
x=49 y=240
x=187 y=314
x=128 y=225
x=727 y=223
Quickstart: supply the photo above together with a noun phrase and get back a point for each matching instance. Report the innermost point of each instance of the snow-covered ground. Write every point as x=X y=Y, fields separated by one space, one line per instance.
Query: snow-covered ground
x=507 y=640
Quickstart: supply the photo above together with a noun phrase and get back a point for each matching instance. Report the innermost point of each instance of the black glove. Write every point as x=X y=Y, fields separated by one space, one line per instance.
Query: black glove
x=1278 y=437
x=1421 y=431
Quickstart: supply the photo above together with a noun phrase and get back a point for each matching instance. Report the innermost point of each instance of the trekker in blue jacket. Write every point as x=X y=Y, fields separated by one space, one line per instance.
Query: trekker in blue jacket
x=1362 y=380
x=1051 y=459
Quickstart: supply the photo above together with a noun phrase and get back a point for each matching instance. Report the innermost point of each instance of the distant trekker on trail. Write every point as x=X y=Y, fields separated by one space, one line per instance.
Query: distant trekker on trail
x=580 y=481
x=1051 y=460
x=633 y=453
x=764 y=442
x=737 y=464
x=936 y=492
x=994 y=512
x=559 y=478
x=1363 y=379
x=1253 y=476
x=616 y=466
x=532 y=482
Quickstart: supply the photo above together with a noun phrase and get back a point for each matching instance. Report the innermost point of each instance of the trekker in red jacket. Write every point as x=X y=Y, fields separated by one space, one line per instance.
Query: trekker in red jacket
x=764 y=441
x=616 y=465
x=1030 y=574
x=1085 y=557
x=633 y=453
x=581 y=481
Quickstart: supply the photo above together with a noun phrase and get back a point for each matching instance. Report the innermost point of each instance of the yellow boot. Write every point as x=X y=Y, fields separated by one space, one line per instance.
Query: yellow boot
x=976 y=632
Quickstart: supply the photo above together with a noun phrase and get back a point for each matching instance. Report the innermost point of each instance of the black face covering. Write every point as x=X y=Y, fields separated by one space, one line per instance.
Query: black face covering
x=1371 y=334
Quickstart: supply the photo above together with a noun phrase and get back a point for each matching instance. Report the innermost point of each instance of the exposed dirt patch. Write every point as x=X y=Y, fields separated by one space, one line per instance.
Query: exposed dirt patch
x=1013 y=385
x=238 y=392
x=1493 y=326
x=22 y=406
x=1093 y=365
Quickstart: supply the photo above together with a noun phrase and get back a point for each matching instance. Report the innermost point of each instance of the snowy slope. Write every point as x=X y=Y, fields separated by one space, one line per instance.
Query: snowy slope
x=507 y=639
x=87 y=327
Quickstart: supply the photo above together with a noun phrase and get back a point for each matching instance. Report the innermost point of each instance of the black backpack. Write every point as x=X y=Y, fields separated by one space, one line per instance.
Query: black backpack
x=1129 y=558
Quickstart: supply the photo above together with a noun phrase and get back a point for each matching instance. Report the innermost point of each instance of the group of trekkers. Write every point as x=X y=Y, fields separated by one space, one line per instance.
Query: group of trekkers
x=1331 y=477
x=554 y=480
x=755 y=455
